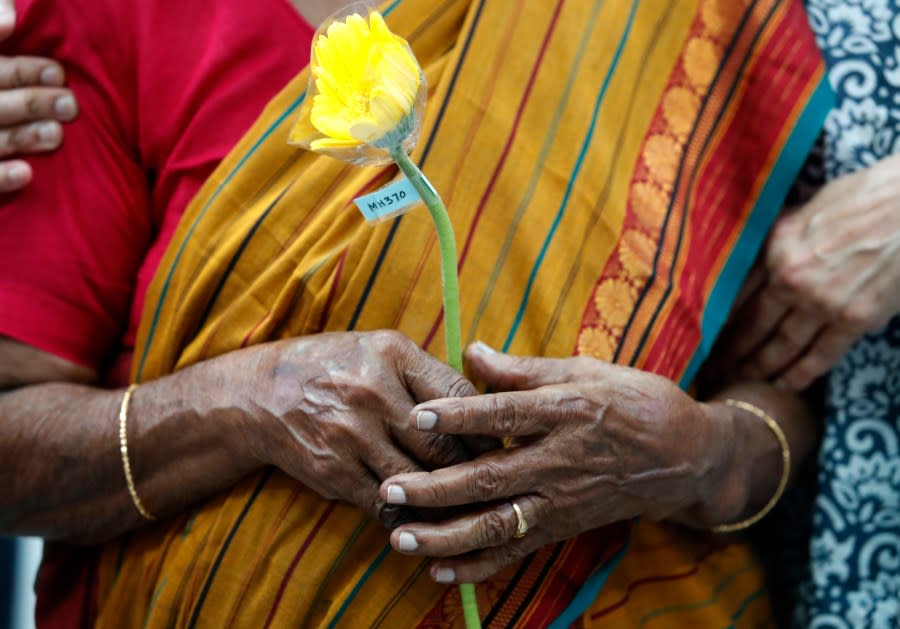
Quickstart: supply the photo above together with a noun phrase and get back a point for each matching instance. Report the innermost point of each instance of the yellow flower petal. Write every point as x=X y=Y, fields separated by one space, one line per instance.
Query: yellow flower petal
x=367 y=83
x=303 y=132
x=380 y=28
x=333 y=89
x=331 y=143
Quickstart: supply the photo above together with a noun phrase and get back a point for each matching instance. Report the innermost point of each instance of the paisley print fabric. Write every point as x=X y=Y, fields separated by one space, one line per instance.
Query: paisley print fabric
x=854 y=569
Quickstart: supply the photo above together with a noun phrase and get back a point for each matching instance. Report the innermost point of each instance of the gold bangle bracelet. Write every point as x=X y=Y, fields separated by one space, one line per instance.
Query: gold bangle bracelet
x=123 y=447
x=785 y=470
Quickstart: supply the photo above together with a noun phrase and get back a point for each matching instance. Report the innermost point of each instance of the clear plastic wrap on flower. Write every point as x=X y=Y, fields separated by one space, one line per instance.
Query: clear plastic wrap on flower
x=366 y=90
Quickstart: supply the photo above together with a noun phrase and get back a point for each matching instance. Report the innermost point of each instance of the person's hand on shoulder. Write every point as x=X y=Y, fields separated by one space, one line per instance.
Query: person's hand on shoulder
x=829 y=274
x=33 y=102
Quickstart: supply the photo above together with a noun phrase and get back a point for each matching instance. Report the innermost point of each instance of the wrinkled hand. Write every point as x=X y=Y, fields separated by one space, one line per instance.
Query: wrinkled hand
x=830 y=273
x=332 y=410
x=594 y=444
x=32 y=104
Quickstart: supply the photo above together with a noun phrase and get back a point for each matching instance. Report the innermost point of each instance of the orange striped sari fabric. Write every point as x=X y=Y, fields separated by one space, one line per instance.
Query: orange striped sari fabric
x=611 y=168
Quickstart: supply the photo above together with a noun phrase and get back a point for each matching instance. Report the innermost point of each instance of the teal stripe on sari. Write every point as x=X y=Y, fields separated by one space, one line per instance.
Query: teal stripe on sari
x=761 y=219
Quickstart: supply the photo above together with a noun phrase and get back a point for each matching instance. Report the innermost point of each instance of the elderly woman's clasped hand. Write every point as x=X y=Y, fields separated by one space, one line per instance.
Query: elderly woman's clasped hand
x=330 y=410
x=592 y=443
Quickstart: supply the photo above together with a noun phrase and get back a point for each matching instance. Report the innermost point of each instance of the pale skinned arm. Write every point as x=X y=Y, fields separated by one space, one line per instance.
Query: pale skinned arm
x=329 y=410
x=829 y=274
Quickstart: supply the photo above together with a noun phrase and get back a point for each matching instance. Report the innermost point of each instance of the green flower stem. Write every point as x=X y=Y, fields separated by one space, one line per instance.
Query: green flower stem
x=452 y=333
x=447 y=245
x=470 y=605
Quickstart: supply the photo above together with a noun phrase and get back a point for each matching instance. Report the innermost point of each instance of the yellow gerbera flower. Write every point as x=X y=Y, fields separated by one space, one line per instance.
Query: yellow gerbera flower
x=367 y=88
x=363 y=106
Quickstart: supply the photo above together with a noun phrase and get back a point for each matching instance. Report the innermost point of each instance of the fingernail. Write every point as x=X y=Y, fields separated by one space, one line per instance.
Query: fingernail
x=66 y=108
x=426 y=420
x=49 y=133
x=396 y=495
x=407 y=542
x=52 y=75
x=484 y=347
x=444 y=575
x=17 y=173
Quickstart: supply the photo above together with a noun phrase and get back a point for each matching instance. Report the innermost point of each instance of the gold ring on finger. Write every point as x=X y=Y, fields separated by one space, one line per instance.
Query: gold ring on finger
x=521 y=522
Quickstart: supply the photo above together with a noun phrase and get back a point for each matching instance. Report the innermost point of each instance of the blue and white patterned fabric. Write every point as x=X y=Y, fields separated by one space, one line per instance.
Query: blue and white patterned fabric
x=854 y=573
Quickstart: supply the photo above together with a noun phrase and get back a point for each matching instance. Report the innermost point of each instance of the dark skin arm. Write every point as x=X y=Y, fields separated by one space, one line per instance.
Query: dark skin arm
x=594 y=443
x=61 y=460
x=329 y=410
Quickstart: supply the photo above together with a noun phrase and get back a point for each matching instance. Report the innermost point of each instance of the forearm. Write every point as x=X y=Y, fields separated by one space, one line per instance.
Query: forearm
x=61 y=464
x=752 y=463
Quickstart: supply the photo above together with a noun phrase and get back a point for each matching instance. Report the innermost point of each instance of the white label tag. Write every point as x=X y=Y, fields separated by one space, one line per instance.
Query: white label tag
x=389 y=201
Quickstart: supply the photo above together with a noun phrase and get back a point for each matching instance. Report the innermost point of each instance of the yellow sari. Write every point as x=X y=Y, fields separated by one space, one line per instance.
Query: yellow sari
x=611 y=168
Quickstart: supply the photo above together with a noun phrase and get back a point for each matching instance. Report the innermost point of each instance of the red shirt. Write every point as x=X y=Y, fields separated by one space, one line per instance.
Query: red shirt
x=166 y=88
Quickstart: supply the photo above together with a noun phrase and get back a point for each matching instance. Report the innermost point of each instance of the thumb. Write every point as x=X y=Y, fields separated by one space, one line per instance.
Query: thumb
x=504 y=372
x=7 y=18
x=426 y=378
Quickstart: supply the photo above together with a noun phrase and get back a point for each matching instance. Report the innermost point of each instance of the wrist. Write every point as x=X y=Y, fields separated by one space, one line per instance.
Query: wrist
x=226 y=396
x=723 y=493
x=758 y=472
x=197 y=414
x=250 y=393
